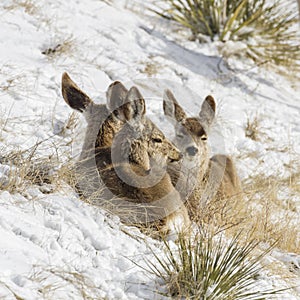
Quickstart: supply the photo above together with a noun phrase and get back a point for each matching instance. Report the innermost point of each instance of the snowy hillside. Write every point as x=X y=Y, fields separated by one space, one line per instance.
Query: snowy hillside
x=53 y=245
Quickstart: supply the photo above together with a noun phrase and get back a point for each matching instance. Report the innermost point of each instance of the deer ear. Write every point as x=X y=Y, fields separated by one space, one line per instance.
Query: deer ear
x=171 y=107
x=73 y=95
x=208 y=111
x=116 y=95
x=134 y=108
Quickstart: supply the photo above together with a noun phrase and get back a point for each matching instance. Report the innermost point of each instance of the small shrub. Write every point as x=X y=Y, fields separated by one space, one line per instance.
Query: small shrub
x=64 y=47
x=269 y=31
x=254 y=129
x=207 y=267
x=22 y=169
x=150 y=68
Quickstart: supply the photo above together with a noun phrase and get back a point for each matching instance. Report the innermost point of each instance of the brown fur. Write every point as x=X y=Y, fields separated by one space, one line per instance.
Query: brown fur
x=230 y=185
x=201 y=179
x=136 y=173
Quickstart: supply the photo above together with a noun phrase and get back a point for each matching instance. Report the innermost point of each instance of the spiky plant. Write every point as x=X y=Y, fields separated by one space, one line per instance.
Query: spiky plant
x=210 y=268
x=268 y=29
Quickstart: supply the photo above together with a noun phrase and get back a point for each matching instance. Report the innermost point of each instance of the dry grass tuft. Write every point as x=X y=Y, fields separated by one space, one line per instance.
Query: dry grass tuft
x=64 y=47
x=253 y=129
x=22 y=169
x=11 y=82
x=48 y=164
x=70 y=124
x=52 y=280
x=150 y=68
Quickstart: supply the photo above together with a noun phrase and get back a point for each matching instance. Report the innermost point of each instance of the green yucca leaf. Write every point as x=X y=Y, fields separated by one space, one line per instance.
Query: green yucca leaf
x=250 y=21
x=204 y=267
x=234 y=16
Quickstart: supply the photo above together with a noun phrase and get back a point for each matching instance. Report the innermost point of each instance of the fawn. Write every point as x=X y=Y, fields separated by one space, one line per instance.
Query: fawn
x=130 y=155
x=197 y=177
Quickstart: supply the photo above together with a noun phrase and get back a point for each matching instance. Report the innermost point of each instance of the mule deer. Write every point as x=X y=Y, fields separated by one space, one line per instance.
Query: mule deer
x=129 y=152
x=198 y=178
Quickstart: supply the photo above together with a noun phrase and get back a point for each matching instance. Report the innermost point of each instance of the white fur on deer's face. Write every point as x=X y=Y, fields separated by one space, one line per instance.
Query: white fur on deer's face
x=191 y=132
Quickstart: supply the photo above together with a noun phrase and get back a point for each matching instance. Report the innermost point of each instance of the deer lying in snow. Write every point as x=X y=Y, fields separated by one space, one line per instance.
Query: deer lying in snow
x=128 y=154
x=198 y=178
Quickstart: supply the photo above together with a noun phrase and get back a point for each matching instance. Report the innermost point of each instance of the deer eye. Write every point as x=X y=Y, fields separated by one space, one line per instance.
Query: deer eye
x=157 y=140
x=203 y=138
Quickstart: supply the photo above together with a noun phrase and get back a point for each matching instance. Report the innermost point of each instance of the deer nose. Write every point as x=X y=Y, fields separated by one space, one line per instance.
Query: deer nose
x=192 y=151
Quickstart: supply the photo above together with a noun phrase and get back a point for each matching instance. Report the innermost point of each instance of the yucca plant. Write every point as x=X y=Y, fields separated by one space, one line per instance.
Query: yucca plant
x=211 y=268
x=268 y=28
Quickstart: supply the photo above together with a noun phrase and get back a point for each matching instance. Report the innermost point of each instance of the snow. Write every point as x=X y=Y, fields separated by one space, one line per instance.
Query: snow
x=53 y=245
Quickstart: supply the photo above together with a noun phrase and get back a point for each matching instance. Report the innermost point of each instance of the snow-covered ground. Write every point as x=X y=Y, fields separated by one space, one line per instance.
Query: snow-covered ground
x=52 y=245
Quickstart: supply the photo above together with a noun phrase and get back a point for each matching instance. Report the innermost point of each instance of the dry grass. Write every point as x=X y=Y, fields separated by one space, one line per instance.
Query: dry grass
x=263 y=213
x=254 y=214
x=28 y=5
x=224 y=214
x=23 y=169
x=52 y=280
x=254 y=129
x=70 y=125
x=20 y=169
x=2 y=127
x=270 y=217
x=49 y=173
x=108 y=2
x=57 y=49
x=10 y=291
x=31 y=8
x=10 y=83
x=150 y=68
